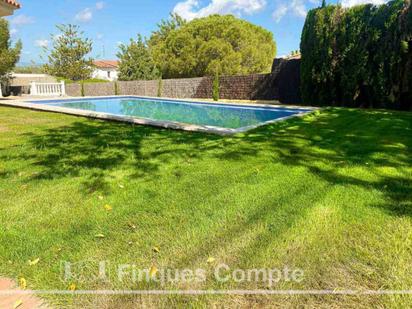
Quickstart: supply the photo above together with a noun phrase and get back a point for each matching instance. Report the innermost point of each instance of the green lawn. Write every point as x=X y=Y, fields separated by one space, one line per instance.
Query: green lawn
x=330 y=194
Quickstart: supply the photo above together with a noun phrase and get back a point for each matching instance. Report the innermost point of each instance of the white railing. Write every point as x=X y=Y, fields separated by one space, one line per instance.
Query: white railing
x=47 y=89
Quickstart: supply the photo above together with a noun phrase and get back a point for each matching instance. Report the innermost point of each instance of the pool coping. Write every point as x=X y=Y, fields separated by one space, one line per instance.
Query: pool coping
x=28 y=104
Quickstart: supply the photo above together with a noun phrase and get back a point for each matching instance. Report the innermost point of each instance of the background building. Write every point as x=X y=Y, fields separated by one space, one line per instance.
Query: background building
x=106 y=69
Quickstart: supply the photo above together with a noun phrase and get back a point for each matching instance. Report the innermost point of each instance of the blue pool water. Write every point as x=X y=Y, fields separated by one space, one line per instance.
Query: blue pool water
x=204 y=114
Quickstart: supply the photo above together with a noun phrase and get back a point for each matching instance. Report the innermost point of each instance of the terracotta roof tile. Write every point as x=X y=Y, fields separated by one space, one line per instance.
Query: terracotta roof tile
x=106 y=63
x=13 y=3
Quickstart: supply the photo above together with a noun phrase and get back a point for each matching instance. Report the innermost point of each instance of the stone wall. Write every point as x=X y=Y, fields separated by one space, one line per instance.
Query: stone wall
x=283 y=84
x=74 y=90
x=141 y=87
x=187 y=88
x=248 y=87
x=99 y=89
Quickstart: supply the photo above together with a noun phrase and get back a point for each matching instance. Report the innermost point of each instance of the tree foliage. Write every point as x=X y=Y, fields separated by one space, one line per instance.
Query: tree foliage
x=215 y=44
x=30 y=69
x=136 y=62
x=164 y=28
x=358 y=56
x=9 y=55
x=69 y=57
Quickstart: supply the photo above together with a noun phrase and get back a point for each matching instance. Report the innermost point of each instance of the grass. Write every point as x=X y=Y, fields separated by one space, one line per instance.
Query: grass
x=330 y=193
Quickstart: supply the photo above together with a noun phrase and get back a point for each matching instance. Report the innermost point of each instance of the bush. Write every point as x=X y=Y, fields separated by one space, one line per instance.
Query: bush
x=116 y=88
x=358 y=56
x=159 y=87
x=216 y=85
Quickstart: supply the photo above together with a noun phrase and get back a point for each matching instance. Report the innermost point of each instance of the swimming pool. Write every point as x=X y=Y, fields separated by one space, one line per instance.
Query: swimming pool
x=178 y=114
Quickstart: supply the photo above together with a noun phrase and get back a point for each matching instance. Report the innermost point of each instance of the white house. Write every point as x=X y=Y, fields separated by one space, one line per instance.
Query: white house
x=106 y=69
x=7 y=8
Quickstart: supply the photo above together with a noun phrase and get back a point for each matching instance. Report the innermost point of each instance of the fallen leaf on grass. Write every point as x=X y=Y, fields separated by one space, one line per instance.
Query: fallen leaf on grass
x=22 y=283
x=108 y=207
x=100 y=236
x=132 y=226
x=211 y=260
x=34 y=262
x=156 y=249
x=17 y=304
x=153 y=271
x=72 y=287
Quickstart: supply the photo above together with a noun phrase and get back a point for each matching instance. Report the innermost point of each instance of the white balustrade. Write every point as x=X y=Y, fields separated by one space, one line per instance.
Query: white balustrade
x=47 y=89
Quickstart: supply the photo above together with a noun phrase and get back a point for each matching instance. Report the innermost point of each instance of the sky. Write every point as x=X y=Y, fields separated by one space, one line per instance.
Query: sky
x=112 y=22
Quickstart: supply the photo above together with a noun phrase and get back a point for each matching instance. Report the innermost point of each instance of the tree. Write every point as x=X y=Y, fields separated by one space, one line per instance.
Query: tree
x=69 y=56
x=136 y=62
x=165 y=27
x=158 y=38
x=223 y=45
x=9 y=55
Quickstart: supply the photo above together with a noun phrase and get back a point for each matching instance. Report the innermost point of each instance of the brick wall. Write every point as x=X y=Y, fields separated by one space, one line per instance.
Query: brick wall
x=187 y=88
x=282 y=84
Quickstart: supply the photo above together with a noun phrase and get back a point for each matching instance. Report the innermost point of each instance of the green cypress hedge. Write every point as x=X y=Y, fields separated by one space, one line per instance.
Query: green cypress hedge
x=359 y=56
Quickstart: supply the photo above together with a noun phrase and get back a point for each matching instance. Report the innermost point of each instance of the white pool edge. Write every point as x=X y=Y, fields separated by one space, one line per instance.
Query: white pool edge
x=156 y=123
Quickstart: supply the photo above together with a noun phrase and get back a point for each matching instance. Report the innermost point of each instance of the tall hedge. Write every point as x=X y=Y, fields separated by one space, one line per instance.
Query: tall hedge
x=359 y=56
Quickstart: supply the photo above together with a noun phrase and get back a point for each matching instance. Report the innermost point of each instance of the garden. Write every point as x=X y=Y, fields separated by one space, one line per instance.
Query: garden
x=329 y=194
x=313 y=211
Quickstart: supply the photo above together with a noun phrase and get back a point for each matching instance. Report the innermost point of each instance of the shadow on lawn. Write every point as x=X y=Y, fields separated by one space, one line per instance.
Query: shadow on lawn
x=93 y=149
x=322 y=143
x=345 y=138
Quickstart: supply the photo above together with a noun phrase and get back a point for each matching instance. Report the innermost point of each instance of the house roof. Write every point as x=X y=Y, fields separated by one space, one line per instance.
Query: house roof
x=12 y=2
x=106 y=64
